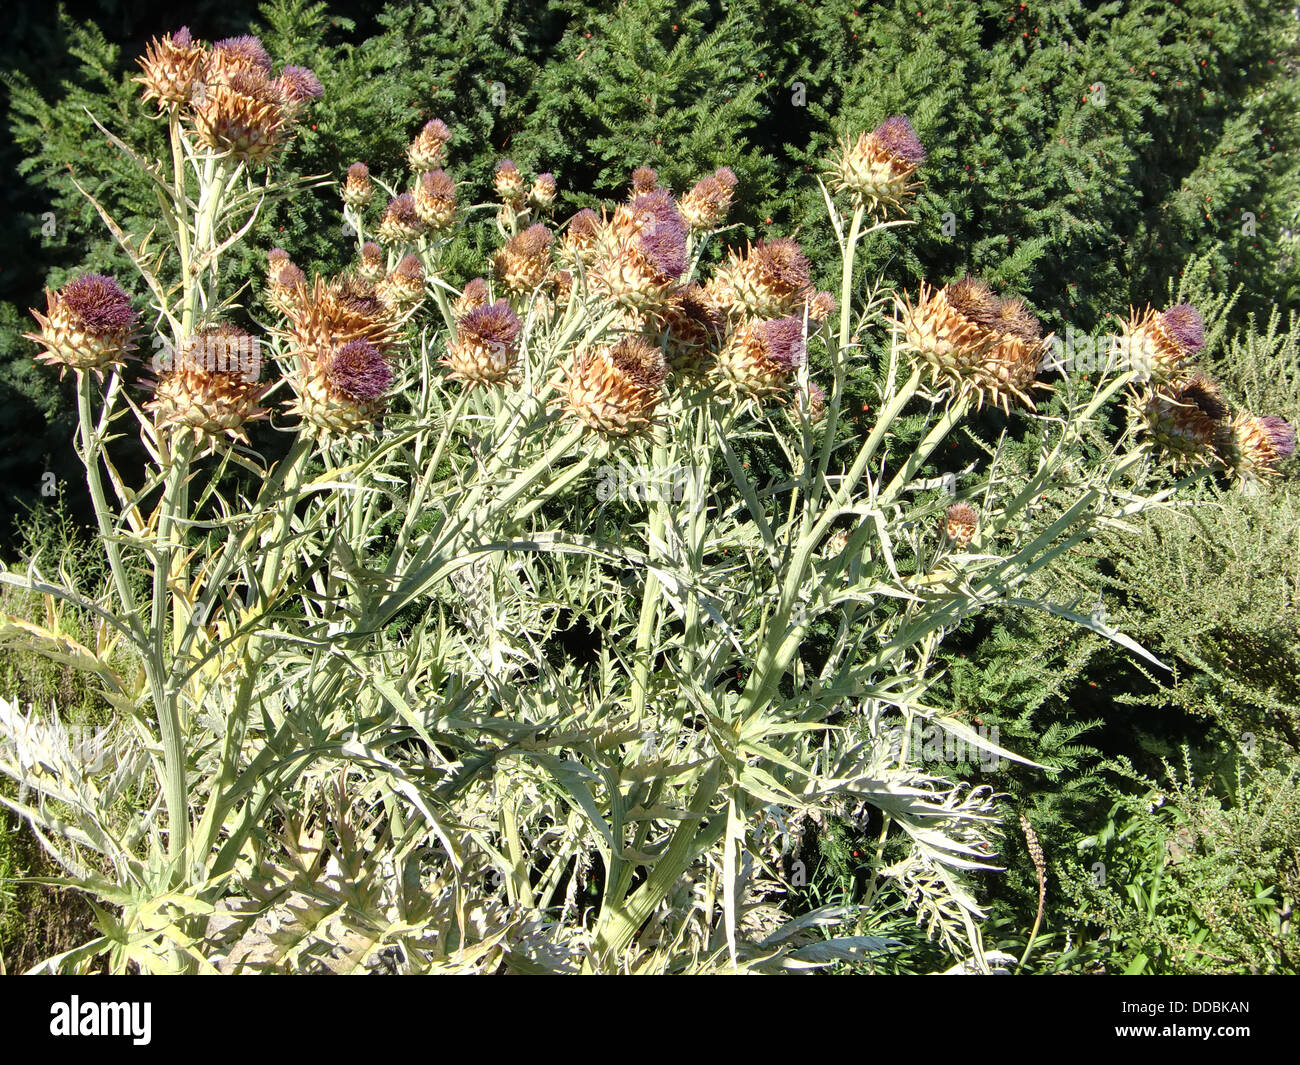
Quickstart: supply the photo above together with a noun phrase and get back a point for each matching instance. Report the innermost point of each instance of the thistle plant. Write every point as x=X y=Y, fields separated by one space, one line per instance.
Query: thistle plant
x=359 y=732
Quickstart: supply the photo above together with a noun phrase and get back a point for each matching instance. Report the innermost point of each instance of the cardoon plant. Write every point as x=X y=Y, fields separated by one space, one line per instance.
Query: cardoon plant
x=357 y=718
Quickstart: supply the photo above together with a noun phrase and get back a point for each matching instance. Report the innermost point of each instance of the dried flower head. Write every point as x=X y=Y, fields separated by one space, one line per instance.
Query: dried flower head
x=770 y=280
x=582 y=237
x=435 y=200
x=644 y=179
x=333 y=314
x=509 y=184
x=87 y=325
x=1185 y=419
x=473 y=296
x=239 y=54
x=1253 y=447
x=401 y=223
x=692 y=331
x=210 y=390
x=642 y=252
x=358 y=189
x=525 y=261
x=960 y=523
x=242 y=115
x=879 y=166
x=341 y=389
x=370 y=264
x=821 y=307
x=971 y=339
x=404 y=287
x=614 y=388
x=759 y=356
x=542 y=194
x=486 y=345
x=285 y=283
x=1159 y=343
x=426 y=151
x=815 y=403
x=172 y=68
x=705 y=206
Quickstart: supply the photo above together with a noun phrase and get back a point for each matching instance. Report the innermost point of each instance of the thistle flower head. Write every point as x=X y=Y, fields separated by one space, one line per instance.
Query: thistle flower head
x=615 y=388
x=879 y=166
x=1184 y=420
x=404 y=287
x=358 y=371
x=692 y=331
x=525 y=261
x=473 y=296
x=760 y=355
x=87 y=324
x=299 y=85
x=236 y=54
x=705 y=206
x=1253 y=447
x=509 y=183
x=435 y=199
x=358 y=190
x=971 y=339
x=816 y=402
x=401 y=223
x=1186 y=326
x=284 y=281
x=582 y=236
x=370 y=265
x=242 y=115
x=212 y=389
x=543 y=191
x=771 y=280
x=333 y=314
x=960 y=523
x=426 y=151
x=172 y=68
x=822 y=306
x=644 y=179
x=486 y=345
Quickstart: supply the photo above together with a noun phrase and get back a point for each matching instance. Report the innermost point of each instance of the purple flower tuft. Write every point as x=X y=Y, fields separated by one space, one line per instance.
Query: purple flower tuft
x=1185 y=324
x=493 y=324
x=783 y=338
x=1280 y=434
x=301 y=84
x=897 y=137
x=181 y=38
x=99 y=303
x=360 y=372
x=726 y=176
x=247 y=48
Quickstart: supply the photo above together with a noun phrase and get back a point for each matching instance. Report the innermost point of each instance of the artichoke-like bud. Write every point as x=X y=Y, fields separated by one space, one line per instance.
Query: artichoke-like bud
x=298 y=87
x=404 y=287
x=238 y=55
x=878 y=168
x=614 y=388
x=814 y=403
x=172 y=68
x=692 y=331
x=835 y=543
x=525 y=261
x=644 y=179
x=960 y=523
x=821 y=306
x=706 y=205
x=86 y=325
x=242 y=115
x=426 y=151
x=509 y=184
x=1185 y=419
x=401 y=223
x=971 y=339
x=1160 y=342
x=342 y=389
x=1253 y=447
x=285 y=283
x=759 y=356
x=642 y=255
x=371 y=264
x=486 y=345
x=542 y=194
x=333 y=314
x=358 y=189
x=435 y=200
x=770 y=280
x=582 y=238
x=472 y=297
x=211 y=389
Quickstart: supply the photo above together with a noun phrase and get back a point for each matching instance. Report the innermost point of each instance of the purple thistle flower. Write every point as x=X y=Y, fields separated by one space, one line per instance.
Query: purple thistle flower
x=1280 y=434
x=507 y=166
x=493 y=324
x=301 y=84
x=100 y=304
x=726 y=176
x=248 y=48
x=1186 y=326
x=475 y=291
x=401 y=209
x=783 y=338
x=898 y=138
x=360 y=372
x=410 y=268
x=181 y=38
x=586 y=223
x=437 y=129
